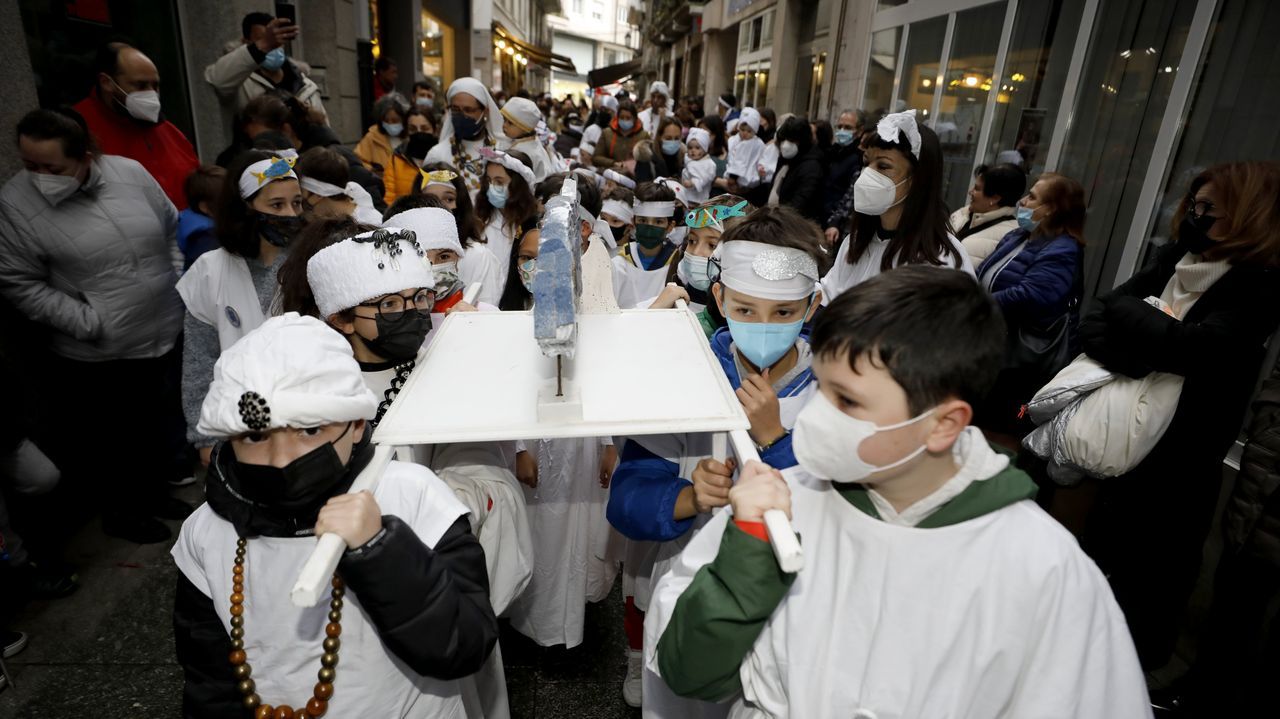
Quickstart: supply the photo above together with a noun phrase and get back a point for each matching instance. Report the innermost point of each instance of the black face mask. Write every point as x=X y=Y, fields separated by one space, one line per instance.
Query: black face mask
x=618 y=233
x=603 y=119
x=279 y=230
x=1193 y=233
x=305 y=482
x=419 y=144
x=399 y=339
x=465 y=127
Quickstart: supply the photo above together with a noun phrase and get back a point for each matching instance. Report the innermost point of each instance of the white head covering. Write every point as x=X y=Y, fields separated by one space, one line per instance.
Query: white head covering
x=661 y=208
x=609 y=102
x=436 y=228
x=661 y=88
x=700 y=136
x=900 y=122
x=523 y=113
x=476 y=89
x=618 y=209
x=675 y=186
x=765 y=271
x=751 y=116
x=731 y=126
x=509 y=162
x=263 y=172
x=620 y=179
x=292 y=371
x=367 y=266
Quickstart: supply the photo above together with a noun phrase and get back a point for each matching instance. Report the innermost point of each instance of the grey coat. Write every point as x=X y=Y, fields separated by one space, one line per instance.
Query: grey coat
x=96 y=268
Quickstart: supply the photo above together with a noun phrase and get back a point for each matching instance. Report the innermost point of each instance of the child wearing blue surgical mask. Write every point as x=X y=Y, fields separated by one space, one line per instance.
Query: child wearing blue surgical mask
x=505 y=201
x=765 y=275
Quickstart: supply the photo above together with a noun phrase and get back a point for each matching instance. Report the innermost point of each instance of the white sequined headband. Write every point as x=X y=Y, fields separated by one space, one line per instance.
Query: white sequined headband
x=767 y=272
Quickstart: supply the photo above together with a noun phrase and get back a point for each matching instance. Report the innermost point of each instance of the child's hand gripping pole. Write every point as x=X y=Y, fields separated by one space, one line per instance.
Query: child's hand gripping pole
x=313 y=581
x=786 y=547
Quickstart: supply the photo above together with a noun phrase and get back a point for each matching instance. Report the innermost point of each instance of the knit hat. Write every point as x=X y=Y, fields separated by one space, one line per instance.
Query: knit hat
x=367 y=266
x=436 y=228
x=523 y=113
x=292 y=371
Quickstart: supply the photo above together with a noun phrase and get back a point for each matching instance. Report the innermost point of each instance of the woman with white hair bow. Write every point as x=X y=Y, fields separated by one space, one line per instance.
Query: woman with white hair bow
x=472 y=122
x=659 y=107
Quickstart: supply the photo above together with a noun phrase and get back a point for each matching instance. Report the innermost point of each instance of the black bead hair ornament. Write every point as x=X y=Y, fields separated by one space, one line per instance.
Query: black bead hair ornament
x=254 y=411
x=388 y=242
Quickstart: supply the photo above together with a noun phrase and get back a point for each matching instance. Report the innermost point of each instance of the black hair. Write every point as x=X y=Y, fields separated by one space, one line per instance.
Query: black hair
x=404 y=203
x=797 y=130
x=1006 y=180
x=589 y=196
x=235 y=223
x=730 y=98
x=824 y=133
x=204 y=184
x=107 y=59
x=627 y=105
x=270 y=140
x=714 y=124
x=295 y=289
x=387 y=103
x=252 y=19
x=325 y=165
x=423 y=85
x=514 y=295
x=922 y=236
x=937 y=331
x=469 y=228
x=520 y=200
x=383 y=63
x=60 y=123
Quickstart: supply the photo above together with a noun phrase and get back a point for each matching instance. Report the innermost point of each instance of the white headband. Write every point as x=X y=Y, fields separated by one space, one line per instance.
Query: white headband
x=765 y=271
x=618 y=209
x=620 y=178
x=510 y=163
x=904 y=122
x=262 y=172
x=724 y=104
x=320 y=187
x=367 y=266
x=654 y=209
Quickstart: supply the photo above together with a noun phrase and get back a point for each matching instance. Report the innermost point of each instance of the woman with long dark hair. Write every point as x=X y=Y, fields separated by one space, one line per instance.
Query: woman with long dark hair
x=505 y=201
x=899 y=215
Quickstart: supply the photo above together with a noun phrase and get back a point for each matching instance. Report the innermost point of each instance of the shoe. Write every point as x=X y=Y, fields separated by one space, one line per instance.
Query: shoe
x=13 y=643
x=139 y=530
x=48 y=581
x=632 y=693
x=170 y=508
x=183 y=481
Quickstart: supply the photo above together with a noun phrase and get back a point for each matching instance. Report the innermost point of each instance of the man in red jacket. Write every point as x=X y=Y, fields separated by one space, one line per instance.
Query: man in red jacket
x=123 y=114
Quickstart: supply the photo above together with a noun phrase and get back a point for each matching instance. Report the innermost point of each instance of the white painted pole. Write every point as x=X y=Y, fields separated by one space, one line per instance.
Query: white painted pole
x=313 y=581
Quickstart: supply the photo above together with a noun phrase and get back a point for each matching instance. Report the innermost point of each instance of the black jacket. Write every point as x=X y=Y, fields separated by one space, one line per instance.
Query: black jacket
x=1251 y=522
x=802 y=188
x=430 y=606
x=843 y=166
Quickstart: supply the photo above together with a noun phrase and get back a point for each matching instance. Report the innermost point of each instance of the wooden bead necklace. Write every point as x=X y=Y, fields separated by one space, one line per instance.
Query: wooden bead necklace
x=323 y=692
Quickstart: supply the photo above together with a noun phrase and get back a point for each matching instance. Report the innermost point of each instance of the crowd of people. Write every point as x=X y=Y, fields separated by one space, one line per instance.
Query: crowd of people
x=251 y=320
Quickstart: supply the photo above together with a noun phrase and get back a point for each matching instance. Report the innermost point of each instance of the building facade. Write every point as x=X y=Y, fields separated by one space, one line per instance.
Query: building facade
x=594 y=34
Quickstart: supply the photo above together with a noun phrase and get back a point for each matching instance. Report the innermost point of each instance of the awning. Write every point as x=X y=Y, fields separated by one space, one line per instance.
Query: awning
x=539 y=55
x=613 y=73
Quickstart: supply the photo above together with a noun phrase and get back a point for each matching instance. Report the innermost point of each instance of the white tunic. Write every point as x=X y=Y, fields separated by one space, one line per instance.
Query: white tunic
x=219 y=292
x=542 y=163
x=479 y=264
x=283 y=641
x=843 y=275
x=500 y=236
x=744 y=160
x=570 y=535
x=999 y=616
x=633 y=284
x=701 y=173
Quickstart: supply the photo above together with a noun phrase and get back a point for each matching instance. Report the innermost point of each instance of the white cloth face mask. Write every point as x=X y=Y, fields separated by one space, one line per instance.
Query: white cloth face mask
x=873 y=193
x=826 y=442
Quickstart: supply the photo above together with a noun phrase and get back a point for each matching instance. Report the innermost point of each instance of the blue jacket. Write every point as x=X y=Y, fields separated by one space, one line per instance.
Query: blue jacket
x=1039 y=283
x=195 y=235
x=643 y=492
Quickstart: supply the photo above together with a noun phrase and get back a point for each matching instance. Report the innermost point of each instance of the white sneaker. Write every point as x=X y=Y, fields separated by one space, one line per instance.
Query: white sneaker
x=631 y=686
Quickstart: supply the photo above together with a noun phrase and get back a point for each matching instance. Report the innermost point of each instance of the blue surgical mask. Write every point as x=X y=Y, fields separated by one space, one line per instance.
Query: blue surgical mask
x=670 y=147
x=393 y=128
x=274 y=60
x=424 y=102
x=692 y=270
x=497 y=195
x=626 y=125
x=844 y=137
x=1024 y=219
x=525 y=270
x=764 y=343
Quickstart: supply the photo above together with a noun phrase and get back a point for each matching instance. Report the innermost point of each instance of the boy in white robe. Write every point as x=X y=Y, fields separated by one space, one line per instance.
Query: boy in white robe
x=742 y=168
x=412 y=609
x=933 y=585
x=641 y=267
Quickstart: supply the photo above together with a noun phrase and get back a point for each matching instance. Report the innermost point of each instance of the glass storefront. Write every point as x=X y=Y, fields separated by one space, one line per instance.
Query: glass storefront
x=437 y=50
x=966 y=86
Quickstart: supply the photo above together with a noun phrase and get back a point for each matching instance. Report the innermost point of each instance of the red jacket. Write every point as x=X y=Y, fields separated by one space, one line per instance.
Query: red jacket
x=162 y=149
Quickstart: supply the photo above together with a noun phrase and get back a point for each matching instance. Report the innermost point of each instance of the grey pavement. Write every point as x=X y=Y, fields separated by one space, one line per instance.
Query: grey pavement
x=107 y=650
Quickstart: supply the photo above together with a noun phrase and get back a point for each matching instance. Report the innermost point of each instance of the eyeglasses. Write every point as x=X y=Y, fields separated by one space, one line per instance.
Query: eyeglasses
x=1199 y=208
x=391 y=307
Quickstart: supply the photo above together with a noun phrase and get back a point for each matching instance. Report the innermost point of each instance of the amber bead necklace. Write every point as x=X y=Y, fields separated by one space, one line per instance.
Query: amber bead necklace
x=323 y=692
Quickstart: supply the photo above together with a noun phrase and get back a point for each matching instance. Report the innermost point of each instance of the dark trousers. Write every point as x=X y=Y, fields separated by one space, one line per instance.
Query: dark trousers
x=115 y=428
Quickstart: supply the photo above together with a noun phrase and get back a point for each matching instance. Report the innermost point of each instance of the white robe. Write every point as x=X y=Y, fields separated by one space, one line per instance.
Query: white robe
x=542 y=162
x=283 y=641
x=479 y=264
x=702 y=173
x=843 y=275
x=218 y=290
x=999 y=616
x=650 y=120
x=570 y=535
x=633 y=284
x=500 y=237
x=744 y=160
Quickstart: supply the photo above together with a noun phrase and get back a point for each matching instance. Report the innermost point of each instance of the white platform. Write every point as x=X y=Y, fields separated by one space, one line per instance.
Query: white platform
x=639 y=372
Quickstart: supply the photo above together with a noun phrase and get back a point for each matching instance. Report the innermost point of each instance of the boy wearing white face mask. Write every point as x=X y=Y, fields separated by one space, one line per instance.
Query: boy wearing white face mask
x=766 y=271
x=899 y=217
x=933 y=585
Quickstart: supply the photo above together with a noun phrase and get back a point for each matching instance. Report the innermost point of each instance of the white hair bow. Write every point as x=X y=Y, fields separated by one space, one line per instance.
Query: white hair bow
x=905 y=122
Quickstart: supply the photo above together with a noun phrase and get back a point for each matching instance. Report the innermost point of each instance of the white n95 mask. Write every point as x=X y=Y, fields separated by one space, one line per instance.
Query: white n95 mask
x=826 y=442
x=873 y=192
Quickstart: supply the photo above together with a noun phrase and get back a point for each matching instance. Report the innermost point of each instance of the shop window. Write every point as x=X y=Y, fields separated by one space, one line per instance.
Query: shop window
x=881 y=67
x=920 y=68
x=966 y=86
